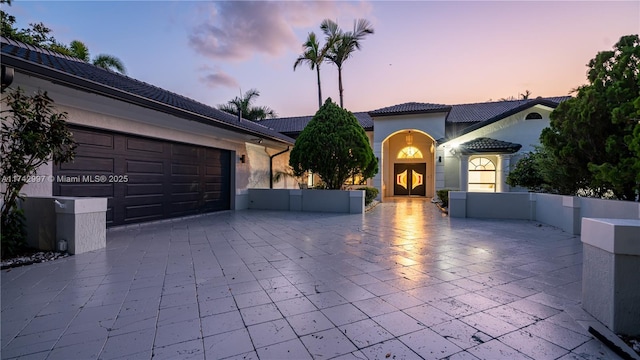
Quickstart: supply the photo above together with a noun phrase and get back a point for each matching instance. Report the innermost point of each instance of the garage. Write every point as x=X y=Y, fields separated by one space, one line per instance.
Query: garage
x=145 y=179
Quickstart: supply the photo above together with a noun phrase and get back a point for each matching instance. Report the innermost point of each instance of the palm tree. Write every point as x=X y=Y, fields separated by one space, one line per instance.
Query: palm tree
x=108 y=62
x=343 y=44
x=314 y=56
x=242 y=107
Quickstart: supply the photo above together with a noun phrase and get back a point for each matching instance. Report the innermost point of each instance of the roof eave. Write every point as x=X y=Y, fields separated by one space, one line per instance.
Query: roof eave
x=59 y=77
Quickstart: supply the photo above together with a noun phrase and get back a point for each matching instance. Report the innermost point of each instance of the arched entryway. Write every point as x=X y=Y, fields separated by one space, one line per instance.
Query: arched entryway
x=408 y=164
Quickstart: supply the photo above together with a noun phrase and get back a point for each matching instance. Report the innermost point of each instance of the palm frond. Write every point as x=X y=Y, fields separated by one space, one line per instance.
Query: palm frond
x=79 y=50
x=109 y=62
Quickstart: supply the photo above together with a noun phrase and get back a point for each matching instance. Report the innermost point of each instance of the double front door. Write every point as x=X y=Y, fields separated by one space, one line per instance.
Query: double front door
x=409 y=179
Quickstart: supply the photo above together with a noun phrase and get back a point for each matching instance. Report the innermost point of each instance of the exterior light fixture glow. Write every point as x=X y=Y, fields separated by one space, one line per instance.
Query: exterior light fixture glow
x=409 y=138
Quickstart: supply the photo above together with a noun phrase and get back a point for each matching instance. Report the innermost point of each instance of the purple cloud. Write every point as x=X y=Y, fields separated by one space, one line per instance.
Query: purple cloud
x=236 y=30
x=219 y=79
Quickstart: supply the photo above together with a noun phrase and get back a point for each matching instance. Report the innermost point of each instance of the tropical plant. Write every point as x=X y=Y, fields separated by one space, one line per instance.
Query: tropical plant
x=524 y=96
x=32 y=135
x=341 y=45
x=242 y=106
x=334 y=146
x=79 y=50
x=594 y=138
x=314 y=55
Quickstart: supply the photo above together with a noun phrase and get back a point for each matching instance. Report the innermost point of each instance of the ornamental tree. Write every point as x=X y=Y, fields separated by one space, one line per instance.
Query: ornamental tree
x=334 y=146
x=594 y=138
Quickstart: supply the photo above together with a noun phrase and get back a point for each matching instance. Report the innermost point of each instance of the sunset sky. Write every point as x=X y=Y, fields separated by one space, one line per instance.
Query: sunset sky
x=425 y=51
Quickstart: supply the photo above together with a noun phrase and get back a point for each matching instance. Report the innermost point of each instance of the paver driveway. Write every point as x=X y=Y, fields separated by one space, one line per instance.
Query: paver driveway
x=402 y=281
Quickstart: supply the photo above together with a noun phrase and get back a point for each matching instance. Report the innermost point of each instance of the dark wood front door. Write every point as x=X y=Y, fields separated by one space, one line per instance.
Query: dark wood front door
x=145 y=179
x=409 y=179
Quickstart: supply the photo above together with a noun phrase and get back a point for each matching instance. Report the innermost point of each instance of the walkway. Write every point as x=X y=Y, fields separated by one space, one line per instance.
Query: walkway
x=401 y=282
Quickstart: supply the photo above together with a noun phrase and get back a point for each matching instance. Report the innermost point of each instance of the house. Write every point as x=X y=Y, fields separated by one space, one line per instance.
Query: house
x=160 y=154
x=424 y=147
x=182 y=157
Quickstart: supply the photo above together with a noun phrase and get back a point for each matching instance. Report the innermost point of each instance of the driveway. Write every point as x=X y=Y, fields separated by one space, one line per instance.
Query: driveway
x=400 y=282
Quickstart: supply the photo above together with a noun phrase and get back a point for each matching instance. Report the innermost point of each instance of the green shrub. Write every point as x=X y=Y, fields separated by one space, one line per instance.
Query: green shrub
x=370 y=194
x=13 y=235
x=443 y=195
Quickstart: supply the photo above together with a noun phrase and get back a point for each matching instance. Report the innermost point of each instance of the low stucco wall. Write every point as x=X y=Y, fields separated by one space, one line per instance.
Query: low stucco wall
x=336 y=201
x=503 y=206
x=564 y=212
x=611 y=273
x=81 y=221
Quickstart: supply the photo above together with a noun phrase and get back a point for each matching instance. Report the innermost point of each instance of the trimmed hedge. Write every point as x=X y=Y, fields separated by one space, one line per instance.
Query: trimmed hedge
x=443 y=195
x=370 y=193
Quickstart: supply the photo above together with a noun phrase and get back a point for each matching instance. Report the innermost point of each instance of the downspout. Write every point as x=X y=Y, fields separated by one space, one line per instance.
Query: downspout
x=271 y=164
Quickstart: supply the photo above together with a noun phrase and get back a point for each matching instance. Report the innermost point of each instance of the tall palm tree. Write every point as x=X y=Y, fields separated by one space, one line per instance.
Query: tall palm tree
x=343 y=44
x=108 y=62
x=242 y=106
x=314 y=55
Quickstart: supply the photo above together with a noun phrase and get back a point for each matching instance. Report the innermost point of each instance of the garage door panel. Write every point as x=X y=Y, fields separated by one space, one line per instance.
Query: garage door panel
x=165 y=179
x=93 y=165
x=137 y=189
x=144 y=167
x=139 y=213
x=185 y=188
x=79 y=189
x=185 y=169
x=213 y=171
x=93 y=140
x=145 y=146
x=183 y=150
x=182 y=208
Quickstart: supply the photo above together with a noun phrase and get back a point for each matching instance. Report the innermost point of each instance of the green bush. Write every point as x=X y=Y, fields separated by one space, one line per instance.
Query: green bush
x=13 y=235
x=443 y=195
x=370 y=193
x=335 y=147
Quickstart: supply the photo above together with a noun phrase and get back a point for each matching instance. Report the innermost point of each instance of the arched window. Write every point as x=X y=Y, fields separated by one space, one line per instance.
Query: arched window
x=482 y=175
x=533 y=116
x=410 y=152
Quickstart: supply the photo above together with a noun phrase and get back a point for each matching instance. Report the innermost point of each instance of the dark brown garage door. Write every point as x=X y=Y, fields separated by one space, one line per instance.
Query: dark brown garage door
x=145 y=179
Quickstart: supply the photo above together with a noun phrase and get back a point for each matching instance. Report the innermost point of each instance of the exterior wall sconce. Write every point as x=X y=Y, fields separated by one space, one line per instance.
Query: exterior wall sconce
x=243 y=158
x=439 y=159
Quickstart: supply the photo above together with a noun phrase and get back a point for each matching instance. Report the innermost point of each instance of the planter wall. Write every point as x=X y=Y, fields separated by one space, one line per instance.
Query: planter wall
x=564 y=212
x=334 y=201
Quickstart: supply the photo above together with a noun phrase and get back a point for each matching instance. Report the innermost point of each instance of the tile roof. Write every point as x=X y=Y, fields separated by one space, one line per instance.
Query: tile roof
x=410 y=108
x=295 y=125
x=488 y=145
x=77 y=73
x=465 y=113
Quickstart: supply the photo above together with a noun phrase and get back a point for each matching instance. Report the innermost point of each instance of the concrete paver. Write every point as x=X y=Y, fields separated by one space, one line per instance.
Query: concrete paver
x=402 y=281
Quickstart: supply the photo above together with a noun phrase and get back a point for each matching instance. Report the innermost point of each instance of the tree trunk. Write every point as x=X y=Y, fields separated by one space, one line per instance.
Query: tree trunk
x=340 y=84
x=319 y=88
